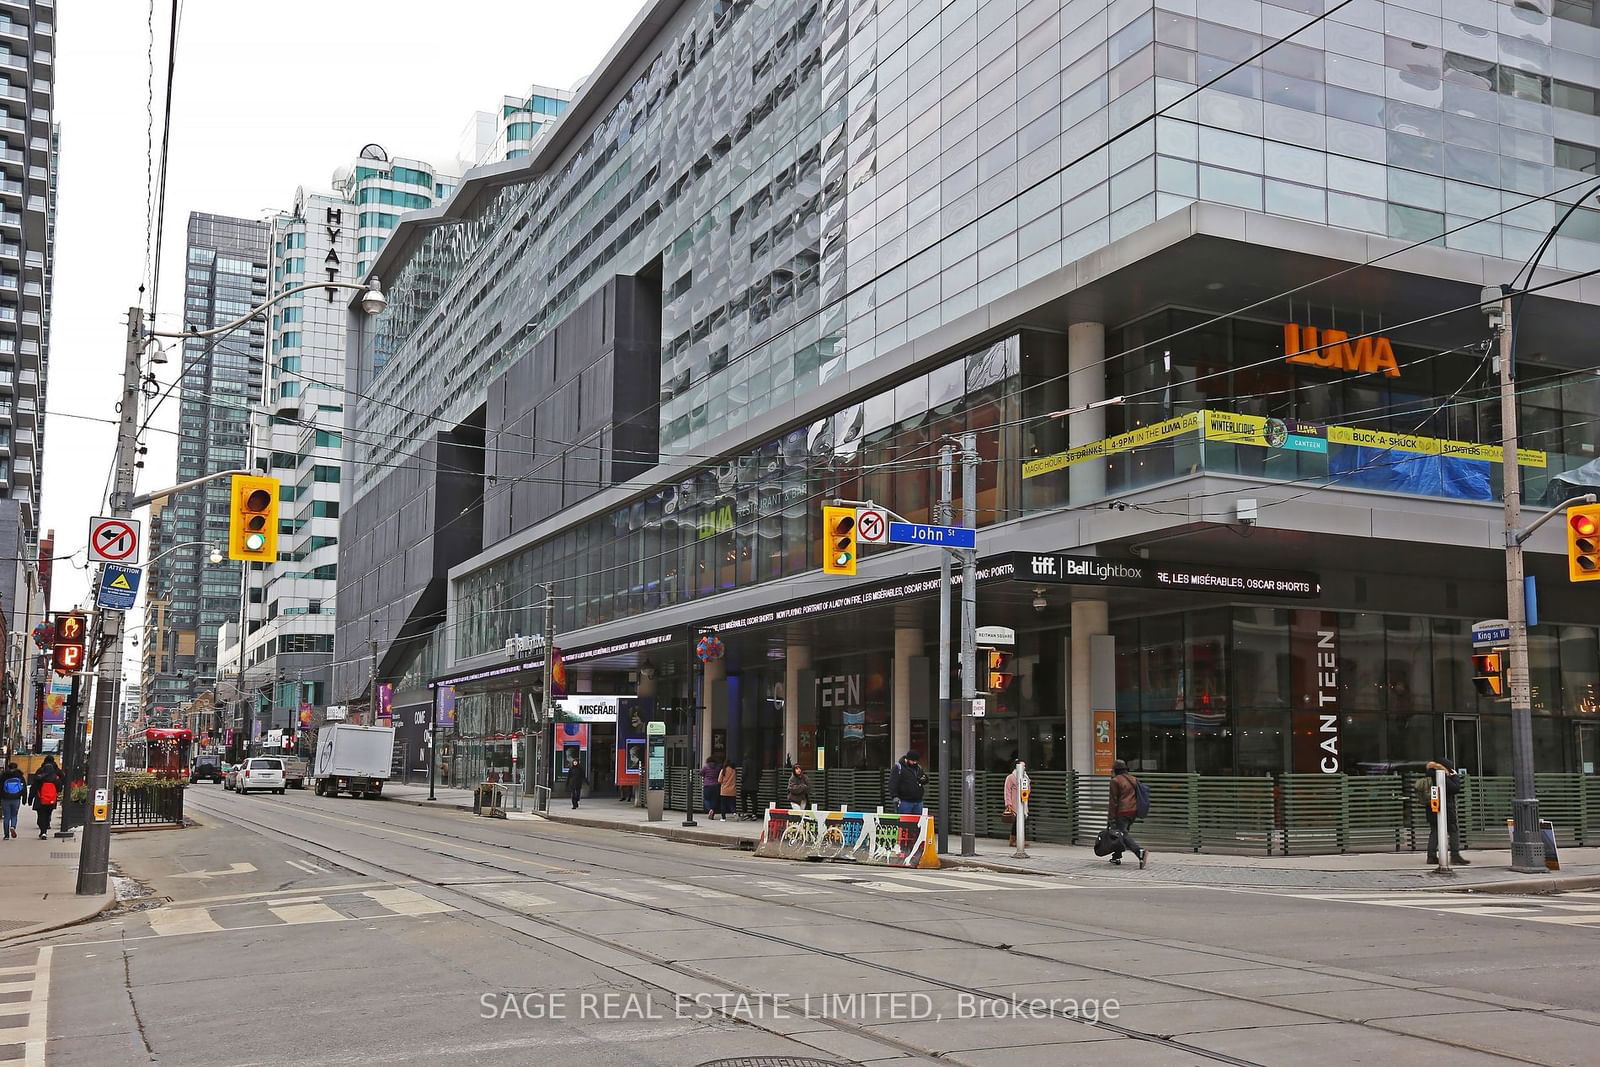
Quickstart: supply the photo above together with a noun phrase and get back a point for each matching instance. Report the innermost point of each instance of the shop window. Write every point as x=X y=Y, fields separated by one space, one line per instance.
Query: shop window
x=1580 y=671
x=1407 y=674
x=1260 y=658
x=1361 y=662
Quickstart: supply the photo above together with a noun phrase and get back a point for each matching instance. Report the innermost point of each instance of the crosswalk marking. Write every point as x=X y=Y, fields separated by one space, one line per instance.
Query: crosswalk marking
x=1563 y=910
x=517 y=898
x=307 y=913
x=790 y=890
x=26 y=1022
x=628 y=894
x=693 y=890
x=405 y=902
x=932 y=882
x=183 y=921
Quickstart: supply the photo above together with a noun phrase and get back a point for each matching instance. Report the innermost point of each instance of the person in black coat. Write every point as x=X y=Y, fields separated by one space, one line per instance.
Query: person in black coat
x=576 y=779
x=48 y=773
x=1452 y=796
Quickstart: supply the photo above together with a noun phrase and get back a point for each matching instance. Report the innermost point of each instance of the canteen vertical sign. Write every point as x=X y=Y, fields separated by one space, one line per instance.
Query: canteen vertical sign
x=1315 y=684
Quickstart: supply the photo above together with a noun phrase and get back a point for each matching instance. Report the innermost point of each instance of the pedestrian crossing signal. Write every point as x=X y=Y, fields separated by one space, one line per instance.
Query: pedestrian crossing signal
x=253 y=519
x=999 y=670
x=1583 y=543
x=839 y=540
x=1488 y=674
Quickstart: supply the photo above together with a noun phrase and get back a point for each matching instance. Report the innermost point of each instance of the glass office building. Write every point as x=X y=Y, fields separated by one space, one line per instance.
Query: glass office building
x=1194 y=304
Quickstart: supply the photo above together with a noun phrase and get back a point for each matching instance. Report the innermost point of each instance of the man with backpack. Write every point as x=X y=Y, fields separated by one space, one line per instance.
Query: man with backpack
x=13 y=787
x=1130 y=800
x=44 y=792
x=907 y=782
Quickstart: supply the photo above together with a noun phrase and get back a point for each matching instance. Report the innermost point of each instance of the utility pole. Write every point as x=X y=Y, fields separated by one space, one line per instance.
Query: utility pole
x=969 y=643
x=1527 y=844
x=946 y=472
x=94 y=858
x=546 y=715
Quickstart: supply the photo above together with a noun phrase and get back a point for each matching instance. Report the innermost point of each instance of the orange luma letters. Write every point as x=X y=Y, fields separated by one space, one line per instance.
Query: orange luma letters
x=1312 y=347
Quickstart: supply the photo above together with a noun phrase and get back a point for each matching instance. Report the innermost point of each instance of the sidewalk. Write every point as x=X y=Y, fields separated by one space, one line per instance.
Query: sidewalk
x=1360 y=871
x=38 y=883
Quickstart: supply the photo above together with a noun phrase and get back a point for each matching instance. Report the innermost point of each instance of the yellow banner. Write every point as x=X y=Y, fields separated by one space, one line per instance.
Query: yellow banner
x=1232 y=428
x=1110 y=446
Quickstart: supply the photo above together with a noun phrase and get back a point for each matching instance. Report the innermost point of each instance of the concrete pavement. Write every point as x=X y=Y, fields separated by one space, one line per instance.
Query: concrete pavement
x=38 y=884
x=1489 y=872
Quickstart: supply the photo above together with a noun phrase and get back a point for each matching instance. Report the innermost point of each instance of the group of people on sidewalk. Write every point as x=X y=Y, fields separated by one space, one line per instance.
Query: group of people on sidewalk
x=43 y=791
x=729 y=791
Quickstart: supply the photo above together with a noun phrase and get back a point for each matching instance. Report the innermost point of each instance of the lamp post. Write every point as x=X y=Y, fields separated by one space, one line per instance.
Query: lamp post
x=94 y=858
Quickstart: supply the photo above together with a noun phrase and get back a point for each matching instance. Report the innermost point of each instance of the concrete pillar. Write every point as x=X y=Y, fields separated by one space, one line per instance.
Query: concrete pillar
x=796 y=658
x=907 y=647
x=713 y=703
x=1089 y=620
x=1086 y=384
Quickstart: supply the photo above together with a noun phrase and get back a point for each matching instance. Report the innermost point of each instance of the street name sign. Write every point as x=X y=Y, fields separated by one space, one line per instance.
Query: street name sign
x=921 y=533
x=1490 y=632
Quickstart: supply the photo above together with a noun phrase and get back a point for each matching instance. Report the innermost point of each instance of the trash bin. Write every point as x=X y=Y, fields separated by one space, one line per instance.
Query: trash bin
x=486 y=798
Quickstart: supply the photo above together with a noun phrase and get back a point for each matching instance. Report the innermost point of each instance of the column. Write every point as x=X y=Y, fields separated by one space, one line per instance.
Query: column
x=713 y=702
x=796 y=658
x=907 y=647
x=1086 y=384
x=1089 y=620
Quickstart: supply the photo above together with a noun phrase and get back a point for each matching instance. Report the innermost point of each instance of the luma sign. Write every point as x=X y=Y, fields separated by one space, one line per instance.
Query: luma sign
x=1333 y=349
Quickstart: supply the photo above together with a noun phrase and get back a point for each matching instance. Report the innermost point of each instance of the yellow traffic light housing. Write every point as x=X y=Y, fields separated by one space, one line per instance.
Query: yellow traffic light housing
x=253 y=522
x=839 y=540
x=1488 y=674
x=1583 y=543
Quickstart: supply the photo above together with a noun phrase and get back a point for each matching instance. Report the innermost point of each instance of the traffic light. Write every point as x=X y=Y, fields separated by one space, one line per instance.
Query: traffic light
x=839 y=540
x=72 y=632
x=253 y=522
x=1488 y=674
x=999 y=670
x=1583 y=543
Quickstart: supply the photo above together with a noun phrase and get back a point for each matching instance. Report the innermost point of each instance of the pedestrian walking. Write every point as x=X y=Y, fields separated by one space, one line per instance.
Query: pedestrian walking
x=799 y=788
x=576 y=780
x=907 y=781
x=708 y=786
x=13 y=787
x=1121 y=810
x=727 y=788
x=749 y=783
x=1452 y=813
x=1013 y=796
x=44 y=793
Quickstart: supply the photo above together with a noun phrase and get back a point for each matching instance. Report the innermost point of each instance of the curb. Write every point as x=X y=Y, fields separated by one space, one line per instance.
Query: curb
x=17 y=936
x=1534 y=886
x=436 y=805
x=683 y=835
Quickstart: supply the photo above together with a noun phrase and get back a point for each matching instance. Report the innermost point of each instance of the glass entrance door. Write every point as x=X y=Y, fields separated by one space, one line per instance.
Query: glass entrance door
x=1588 y=738
x=1461 y=743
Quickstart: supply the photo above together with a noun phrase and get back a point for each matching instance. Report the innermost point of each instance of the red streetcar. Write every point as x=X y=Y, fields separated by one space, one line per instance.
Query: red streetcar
x=167 y=751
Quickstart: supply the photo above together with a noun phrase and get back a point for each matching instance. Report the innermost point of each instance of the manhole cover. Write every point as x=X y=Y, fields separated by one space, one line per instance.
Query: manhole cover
x=63 y=855
x=770 y=1061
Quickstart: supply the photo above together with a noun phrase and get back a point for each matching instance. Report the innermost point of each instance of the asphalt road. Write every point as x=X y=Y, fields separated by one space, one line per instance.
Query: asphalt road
x=303 y=929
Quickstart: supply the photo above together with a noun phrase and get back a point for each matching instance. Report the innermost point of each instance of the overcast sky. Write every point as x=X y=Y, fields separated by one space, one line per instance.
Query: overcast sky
x=270 y=95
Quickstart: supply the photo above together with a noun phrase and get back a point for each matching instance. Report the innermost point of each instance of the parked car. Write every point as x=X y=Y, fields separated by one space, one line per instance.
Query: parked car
x=294 y=772
x=261 y=774
x=230 y=774
x=205 y=771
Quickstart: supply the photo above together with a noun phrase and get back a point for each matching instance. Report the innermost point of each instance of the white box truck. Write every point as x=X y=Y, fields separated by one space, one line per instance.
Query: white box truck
x=353 y=759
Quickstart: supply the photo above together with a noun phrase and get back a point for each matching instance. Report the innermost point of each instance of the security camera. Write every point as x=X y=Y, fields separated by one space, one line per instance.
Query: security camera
x=1490 y=297
x=1039 y=602
x=1246 y=511
x=1119 y=505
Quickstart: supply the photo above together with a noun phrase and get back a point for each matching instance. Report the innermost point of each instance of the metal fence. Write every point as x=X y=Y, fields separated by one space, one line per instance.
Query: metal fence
x=147 y=806
x=1285 y=814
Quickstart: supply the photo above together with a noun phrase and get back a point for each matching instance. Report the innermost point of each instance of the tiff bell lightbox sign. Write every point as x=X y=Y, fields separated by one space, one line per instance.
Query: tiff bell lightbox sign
x=1144 y=574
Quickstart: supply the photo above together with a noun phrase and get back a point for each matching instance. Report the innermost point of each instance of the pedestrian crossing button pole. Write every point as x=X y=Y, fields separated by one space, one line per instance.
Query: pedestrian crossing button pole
x=1024 y=793
x=1439 y=805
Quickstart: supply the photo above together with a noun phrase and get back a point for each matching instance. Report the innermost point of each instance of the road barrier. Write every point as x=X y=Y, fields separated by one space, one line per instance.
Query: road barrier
x=882 y=837
x=1284 y=814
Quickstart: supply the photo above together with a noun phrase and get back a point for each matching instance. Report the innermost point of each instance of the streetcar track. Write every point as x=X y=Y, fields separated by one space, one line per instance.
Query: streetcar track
x=539 y=858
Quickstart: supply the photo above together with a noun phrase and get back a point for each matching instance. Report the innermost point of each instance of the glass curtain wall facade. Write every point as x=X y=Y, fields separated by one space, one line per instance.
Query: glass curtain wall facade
x=1223 y=691
x=226 y=277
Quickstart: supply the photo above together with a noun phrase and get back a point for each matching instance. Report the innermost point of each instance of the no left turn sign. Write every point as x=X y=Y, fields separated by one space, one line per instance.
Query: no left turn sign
x=872 y=526
x=113 y=540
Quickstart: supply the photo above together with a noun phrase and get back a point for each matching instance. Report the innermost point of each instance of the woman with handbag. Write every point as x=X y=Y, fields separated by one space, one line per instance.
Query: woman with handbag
x=1013 y=797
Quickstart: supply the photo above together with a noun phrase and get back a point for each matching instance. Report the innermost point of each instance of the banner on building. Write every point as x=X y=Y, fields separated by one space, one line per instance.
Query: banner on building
x=55 y=699
x=444 y=707
x=1105 y=742
x=305 y=717
x=1314 y=683
x=385 y=704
